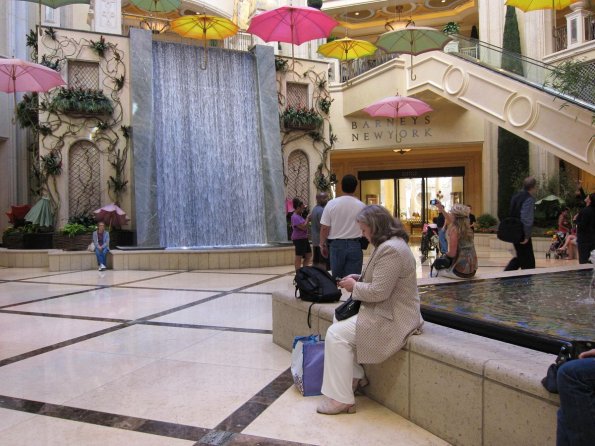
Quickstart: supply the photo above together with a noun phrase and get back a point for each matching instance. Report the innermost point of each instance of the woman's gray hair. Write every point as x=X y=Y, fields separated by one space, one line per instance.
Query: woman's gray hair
x=382 y=224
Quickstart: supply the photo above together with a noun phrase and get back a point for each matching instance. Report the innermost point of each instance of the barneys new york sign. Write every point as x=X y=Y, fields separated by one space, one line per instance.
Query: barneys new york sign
x=384 y=129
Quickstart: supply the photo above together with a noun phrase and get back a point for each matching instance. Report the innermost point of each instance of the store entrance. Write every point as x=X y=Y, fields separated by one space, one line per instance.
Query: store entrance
x=407 y=193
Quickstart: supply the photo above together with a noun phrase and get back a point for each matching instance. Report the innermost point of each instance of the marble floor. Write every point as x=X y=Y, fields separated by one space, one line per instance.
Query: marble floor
x=166 y=358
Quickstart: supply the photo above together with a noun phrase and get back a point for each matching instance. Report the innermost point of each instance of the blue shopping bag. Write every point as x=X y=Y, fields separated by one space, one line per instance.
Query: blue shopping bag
x=307 y=364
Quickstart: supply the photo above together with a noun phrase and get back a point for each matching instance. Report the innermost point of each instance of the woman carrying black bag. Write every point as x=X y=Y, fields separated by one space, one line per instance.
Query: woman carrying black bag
x=585 y=229
x=388 y=315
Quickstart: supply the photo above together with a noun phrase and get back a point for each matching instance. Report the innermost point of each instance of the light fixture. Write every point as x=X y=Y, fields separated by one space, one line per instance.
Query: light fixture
x=401 y=151
x=156 y=26
x=396 y=23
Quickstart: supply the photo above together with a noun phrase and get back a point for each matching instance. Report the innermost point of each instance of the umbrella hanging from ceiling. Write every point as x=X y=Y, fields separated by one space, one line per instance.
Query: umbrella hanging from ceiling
x=413 y=40
x=204 y=27
x=347 y=49
x=534 y=5
x=292 y=24
x=397 y=107
x=19 y=75
x=157 y=5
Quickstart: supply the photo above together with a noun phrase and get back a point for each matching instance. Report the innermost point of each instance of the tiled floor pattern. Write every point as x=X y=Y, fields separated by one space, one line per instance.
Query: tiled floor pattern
x=166 y=358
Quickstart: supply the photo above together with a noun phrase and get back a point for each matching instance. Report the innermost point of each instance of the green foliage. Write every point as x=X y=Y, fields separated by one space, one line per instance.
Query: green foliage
x=451 y=28
x=47 y=62
x=325 y=105
x=28 y=228
x=100 y=46
x=301 y=118
x=281 y=64
x=513 y=167
x=81 y=101
x=322 y=182
x=315 y=4
x=485 y=221
x=28 y=111
x=83 y=219
x=72 y=229
x=51 y=164
x=31 y=41
x=573 y=78
x=511 y=43
x=126 y=131
x=50 y=32
x=119 y=82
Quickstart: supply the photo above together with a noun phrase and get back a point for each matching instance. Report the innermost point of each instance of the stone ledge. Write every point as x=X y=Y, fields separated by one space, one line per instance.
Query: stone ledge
x=444 y=376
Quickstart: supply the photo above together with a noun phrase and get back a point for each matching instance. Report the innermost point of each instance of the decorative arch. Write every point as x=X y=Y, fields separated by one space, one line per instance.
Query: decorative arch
x=84 y=178
x=298 y=175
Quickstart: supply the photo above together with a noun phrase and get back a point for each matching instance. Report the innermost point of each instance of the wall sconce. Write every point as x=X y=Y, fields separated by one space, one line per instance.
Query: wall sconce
x=401 y=151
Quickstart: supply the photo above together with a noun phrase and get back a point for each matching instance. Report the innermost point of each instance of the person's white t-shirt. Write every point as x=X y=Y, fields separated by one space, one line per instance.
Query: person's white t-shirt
x=340 y=215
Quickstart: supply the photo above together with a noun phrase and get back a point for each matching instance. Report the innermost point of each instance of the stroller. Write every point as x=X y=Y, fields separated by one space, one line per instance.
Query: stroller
x=558 y=240
x=429 y=241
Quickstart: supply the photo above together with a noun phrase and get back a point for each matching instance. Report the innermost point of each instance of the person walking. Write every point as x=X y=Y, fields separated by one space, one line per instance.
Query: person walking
x=585 y=229
x=522 y=205
x=101 y=243
x=299 y=235
x=340 y=233
x=319 y=260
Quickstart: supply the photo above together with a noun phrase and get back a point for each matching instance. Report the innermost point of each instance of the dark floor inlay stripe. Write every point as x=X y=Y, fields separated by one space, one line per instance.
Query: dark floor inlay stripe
x=256 y=405
x=207 y=327
x=252 y=440
x=53 y=347
x=73 y=293
x=162 y=428
x=66 y=316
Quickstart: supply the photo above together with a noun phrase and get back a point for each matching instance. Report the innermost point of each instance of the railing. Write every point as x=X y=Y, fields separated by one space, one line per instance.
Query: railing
x=353 y=68
x=239 y=42
x=560 y=38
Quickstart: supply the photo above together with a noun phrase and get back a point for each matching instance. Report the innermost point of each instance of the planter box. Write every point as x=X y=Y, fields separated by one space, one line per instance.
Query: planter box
x=39 y=240
x=306 y=127
x=79 y=242
x=13 y=240
x=121 y=237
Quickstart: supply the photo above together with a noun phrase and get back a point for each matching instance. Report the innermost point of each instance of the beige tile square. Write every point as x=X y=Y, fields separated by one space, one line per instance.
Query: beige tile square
x=446 y=401
x=213 y=260
x=64 y=263
x=144 y=262
x=389 y=383
x=163 y=262
x=244 y=259
x=19 y=261
x=224 y=260
x=11 y=417
x=517 y=419
x=372 y=425
x=173 y=261
x=254 y=260
x=54 y=263
x=28 y=260
x=193 y=261
x=234 y=260
x=133 y=262
x=153 y=262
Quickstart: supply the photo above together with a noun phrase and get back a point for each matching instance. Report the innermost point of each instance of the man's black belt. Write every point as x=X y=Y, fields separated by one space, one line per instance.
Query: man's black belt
x=348 y=239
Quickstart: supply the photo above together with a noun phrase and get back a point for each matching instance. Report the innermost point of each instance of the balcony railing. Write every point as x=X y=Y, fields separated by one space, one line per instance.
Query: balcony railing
x=560 y=38
x=351 y=69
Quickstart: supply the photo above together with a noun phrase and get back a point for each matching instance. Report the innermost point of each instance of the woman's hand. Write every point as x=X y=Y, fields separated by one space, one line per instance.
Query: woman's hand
x=348 y=283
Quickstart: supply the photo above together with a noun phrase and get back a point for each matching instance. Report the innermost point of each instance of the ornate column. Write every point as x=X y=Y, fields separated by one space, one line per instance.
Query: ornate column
x=577 y=23
x=106 y=16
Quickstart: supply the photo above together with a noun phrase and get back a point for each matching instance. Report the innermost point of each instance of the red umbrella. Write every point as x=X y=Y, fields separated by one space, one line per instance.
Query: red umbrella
x=398 y=107
x=19 y=75
x=292 y=24
x=111 y=215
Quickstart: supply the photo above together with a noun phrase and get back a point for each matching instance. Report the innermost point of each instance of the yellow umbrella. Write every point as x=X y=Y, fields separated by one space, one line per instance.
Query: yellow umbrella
x=347 y=49
x=533 y=5
x=204 y=27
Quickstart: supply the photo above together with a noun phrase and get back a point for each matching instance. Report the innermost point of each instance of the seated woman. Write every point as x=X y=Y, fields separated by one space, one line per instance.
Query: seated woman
x=461 y=249
x=389 y=312
x=569 y=247
x=564 y=221
x=101 y=242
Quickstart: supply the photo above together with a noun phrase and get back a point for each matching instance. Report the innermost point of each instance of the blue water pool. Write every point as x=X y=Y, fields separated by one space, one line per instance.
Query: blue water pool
x=537 y=311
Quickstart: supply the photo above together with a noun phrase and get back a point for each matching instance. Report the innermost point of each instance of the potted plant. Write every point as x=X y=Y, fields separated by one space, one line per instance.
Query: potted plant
x=315 y=4
x=81 y=102
x=301 y=118
x=451 y=29
x=281 y=64
x=74 y=237
x=487 y=223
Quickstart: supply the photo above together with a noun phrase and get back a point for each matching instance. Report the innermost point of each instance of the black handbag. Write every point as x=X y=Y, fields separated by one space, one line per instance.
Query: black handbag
x=510 y=230
x=443 y=262
x=568 y=352
x=347 y=309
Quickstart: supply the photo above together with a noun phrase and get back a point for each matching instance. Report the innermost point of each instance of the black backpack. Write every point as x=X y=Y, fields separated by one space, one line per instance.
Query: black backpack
x=316 y=286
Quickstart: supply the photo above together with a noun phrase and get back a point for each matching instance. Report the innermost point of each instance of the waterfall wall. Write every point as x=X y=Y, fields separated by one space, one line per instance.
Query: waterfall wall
x=207 y=161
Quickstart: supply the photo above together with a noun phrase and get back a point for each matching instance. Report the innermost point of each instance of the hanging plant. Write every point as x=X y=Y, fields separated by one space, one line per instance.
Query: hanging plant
x=119 y=82
x=301 y=118
x=451 y=28
x=45 y=61
x=27 y=111
x=80 y=101
x=50 y=32
x=280 y=64
x=315 y=4
x=100 y=47
x=325 y=105
x=51 y=164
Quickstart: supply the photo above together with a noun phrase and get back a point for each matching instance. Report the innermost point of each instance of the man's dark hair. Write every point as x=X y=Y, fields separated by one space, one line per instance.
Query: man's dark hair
x=349 y=184
x=529 y=183
x=297 y=203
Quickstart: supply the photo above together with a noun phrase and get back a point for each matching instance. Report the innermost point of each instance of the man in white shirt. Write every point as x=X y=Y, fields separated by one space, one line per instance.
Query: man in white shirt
x=340 y=233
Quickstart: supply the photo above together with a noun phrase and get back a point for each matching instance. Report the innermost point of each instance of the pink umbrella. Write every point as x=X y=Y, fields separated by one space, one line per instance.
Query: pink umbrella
x=19 y=75
x=292 y=24
x=111 y=215
x=398 y=107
